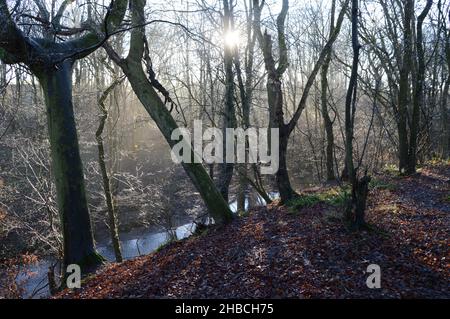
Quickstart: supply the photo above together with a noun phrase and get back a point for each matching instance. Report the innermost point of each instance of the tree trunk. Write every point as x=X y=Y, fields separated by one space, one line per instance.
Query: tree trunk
x=282 y=176
x=276 y=120
x=246 y=94
x=242 y=191
x=404 y=89
x=360 y=187
x=418 y=94
x=67 y=167
x=274 y=90
x=355 y=214
x=445 y=125
x=444 y=104
x=112 y=217
x=229 y=116
x=328 y=124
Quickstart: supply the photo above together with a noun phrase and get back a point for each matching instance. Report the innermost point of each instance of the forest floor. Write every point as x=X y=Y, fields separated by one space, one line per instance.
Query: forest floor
x=304 y=250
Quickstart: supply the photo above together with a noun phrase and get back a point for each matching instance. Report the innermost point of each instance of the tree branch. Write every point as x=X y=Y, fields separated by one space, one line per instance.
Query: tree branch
x=302 y=104
x=14 y=46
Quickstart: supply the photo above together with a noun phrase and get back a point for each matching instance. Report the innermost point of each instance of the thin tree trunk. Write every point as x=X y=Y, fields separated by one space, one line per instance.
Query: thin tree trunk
x=328 y=124
x=282 y=175
x=350 y=100
x=444 y=104
x=229 y=116
x=112 y=216
x=404 y=87
x=418 y=94
x=355 y=213
x=246 y=94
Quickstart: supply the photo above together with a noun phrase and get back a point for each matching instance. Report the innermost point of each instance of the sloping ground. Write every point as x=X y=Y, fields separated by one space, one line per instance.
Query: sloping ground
x=275 y=252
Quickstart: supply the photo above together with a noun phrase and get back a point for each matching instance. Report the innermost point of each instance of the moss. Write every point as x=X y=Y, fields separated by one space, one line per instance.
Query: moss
x=91 y=262
x=166 y=243
x=333 y=196
x=201 y=230
x=160 y=247
x=437 y=161
x=303 y=200
x=391 y=169
x=382 y=185
x=243 y=213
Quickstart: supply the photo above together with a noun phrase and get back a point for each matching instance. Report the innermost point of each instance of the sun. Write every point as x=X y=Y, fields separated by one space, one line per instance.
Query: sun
x=232 y=38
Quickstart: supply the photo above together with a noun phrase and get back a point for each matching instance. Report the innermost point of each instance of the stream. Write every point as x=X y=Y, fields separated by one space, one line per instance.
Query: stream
x=33 y=278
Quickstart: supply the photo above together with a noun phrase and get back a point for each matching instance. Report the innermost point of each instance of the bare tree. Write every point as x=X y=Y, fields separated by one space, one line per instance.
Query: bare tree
x=274 y=85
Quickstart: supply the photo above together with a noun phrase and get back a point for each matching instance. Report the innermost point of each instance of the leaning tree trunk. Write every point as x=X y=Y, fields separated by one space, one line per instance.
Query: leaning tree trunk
x=143 y=88
x=67 y=167
x=214 y=201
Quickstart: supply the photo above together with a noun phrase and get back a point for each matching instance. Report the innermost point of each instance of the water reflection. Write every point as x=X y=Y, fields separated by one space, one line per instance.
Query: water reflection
x=145 y=244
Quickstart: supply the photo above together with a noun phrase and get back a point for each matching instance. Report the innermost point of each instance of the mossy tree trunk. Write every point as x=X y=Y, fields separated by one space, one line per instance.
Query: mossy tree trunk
x=152 y=103
x=67 y=166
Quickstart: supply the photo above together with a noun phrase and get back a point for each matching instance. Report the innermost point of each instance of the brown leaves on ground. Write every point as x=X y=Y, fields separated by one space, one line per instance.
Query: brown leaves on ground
x=273 y=253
